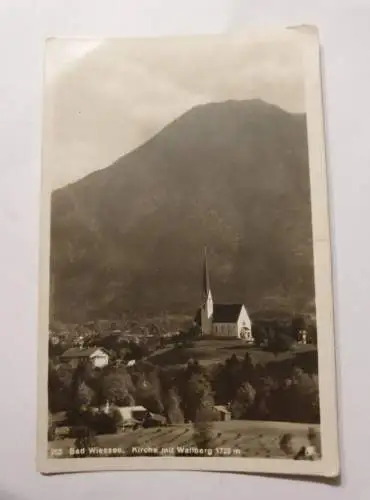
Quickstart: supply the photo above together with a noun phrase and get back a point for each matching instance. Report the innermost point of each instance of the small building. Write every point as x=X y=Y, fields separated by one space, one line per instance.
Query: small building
x=132 y=415
x=77 y=355
x=302 y=337
x=223 y=412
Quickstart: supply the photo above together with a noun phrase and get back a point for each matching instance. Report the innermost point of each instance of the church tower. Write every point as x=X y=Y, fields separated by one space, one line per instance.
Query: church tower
x=207 y=300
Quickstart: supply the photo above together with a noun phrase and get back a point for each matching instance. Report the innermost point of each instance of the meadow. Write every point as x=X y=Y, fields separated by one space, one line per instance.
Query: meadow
x=211 y=351
x=233 y=438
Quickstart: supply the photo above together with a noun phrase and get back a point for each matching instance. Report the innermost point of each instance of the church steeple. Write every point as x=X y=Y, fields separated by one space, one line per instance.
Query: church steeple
x=206 y=285
x=207 y=300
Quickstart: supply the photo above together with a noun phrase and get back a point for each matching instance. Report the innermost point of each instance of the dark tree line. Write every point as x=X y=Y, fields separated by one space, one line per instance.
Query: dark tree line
x=286 y=391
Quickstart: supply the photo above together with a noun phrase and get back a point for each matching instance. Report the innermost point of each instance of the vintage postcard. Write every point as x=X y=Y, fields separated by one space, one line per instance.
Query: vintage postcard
x=186 y=316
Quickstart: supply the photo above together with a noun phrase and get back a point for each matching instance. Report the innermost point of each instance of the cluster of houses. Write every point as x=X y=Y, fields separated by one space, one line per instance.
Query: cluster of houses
x=225 y=320
x=98 y=357
x=82 y=338
x=215 y=319
x=132 y=417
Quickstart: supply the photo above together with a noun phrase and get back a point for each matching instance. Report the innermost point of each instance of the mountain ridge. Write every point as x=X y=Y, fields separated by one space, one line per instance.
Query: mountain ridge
x=255 y=101
x=129 y=238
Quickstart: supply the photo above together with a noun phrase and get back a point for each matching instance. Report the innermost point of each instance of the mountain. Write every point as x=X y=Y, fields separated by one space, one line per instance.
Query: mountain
x=233 y=176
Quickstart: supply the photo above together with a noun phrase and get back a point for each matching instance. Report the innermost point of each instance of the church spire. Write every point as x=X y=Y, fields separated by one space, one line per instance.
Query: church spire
x=207 y=301
x=206 y=284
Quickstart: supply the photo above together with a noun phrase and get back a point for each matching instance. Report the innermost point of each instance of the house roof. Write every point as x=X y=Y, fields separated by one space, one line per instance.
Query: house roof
x=77 y=352
x=221 y=408
x=223 y=313
x=59 y=417
x=127 y=411
x=158 y=418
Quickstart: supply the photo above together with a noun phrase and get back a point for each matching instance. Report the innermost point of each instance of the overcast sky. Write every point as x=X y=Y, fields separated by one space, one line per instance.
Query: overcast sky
x=105 y=98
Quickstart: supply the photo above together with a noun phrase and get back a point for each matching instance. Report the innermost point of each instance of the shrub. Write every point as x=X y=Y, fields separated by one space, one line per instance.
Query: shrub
x=51 y=428
x=286 y=443
x=243 y=401
x=203 y=434
x=280 y=342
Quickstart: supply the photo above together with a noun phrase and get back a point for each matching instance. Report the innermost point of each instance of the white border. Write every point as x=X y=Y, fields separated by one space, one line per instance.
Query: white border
x=328 y=466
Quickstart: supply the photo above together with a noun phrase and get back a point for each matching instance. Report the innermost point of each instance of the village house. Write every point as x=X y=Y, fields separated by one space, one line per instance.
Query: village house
x=222 y=320
x=223 y=413
x=77 y=355
x=54 y=339
x=302 y=337
x=132 y=414
x=137 y=415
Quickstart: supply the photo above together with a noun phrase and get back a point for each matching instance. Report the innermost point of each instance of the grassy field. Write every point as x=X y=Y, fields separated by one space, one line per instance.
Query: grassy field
x=233 y=438
x=210 y=351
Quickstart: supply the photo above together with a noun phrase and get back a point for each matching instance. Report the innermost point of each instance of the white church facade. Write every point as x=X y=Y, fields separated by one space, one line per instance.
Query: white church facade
x=222 y=320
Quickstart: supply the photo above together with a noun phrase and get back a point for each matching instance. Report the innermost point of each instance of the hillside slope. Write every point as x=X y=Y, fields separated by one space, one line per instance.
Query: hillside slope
x=233 y=176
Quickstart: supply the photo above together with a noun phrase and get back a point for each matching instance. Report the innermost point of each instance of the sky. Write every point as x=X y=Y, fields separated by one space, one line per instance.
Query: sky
x=104 y=98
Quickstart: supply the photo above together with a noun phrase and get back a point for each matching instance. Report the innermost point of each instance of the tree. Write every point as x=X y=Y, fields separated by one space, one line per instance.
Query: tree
x=51 y=428
x=229 y=378
x=85 y=440
x=108 y=423
x=197 y=393
x=259 y=334
x=83 y=396
x=137 y=351
x=243 y=401
x=206 y=413
x=194 y=332
x=247 y=368
x=203 y=427
x=280 y=342
x=117 y=419
x=286 y=444
x=148 y=389
x=297 y=398
x=173 y=408
x=314 y=439
x=203 y=434
x=59 y=387
x=117 y=388
x=312 y=334
x=305 y=392
x=262 y=402
x=55 y=350
x=154 y=329
x=193 y=367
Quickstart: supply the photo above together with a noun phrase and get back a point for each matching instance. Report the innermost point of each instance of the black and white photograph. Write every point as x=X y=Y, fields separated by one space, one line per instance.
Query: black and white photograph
x=186 y=310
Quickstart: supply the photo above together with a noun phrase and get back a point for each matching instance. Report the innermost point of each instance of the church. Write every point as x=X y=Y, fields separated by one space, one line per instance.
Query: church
x=222 y=320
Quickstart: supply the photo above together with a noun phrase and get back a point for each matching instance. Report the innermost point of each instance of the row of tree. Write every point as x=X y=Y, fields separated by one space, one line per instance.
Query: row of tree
x=278 y=391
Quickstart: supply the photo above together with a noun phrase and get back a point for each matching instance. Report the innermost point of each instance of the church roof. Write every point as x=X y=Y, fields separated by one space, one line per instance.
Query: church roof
x=222 y=313
x=226 y=313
